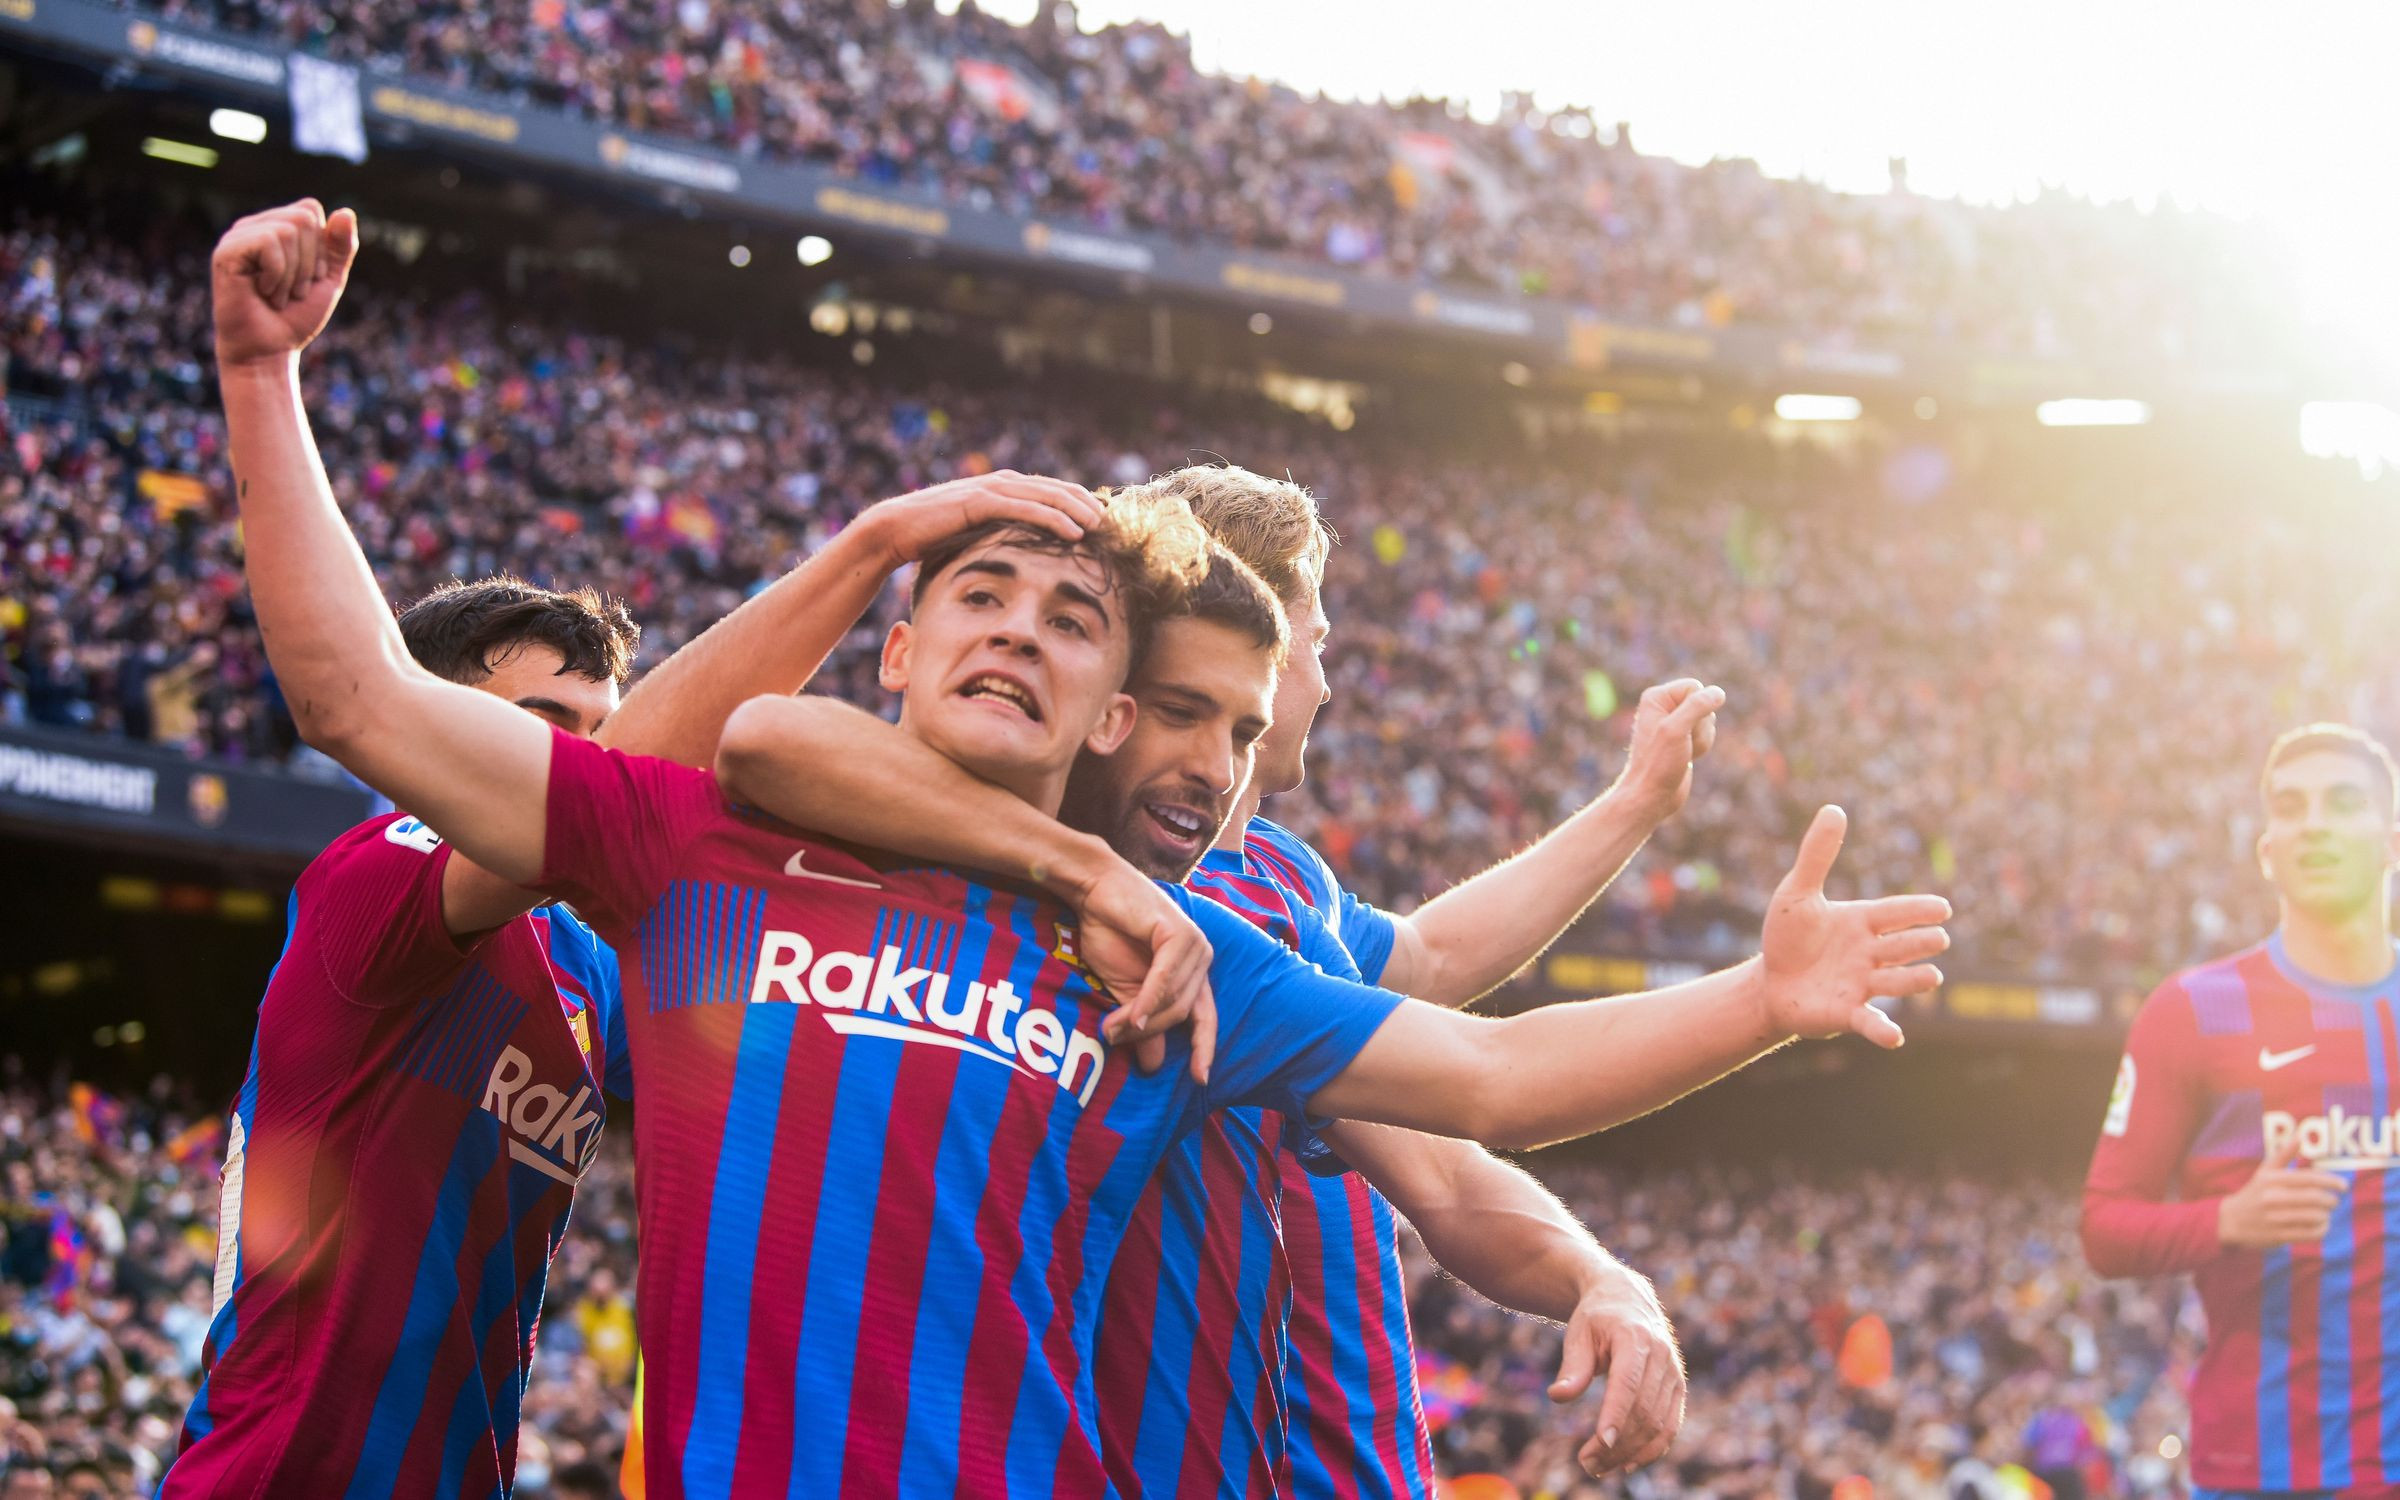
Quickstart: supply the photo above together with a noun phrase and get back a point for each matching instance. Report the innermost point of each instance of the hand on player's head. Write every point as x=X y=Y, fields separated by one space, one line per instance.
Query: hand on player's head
x=275 y=278
x=1825 y=961
x=2285 y=1202
x=909 y=525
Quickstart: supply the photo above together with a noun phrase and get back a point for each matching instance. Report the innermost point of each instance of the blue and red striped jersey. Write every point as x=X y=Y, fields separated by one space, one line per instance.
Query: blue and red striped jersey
x=1191 y=1342
x=2299 y=1388
x=883 y=1160
x=1358 y=1421
x=398 y=1171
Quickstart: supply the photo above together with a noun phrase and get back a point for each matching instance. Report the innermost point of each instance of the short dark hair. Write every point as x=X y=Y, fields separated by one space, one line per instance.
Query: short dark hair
x=2341 y=739
x=1149 y=546
x=1232 y=594
x=461 y=629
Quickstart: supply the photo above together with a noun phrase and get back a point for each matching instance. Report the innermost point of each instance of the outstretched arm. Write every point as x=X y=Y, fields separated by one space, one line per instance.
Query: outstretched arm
x=1474 y=936
x=1491 y=1225
x=823 y=764
x=470 y=764
x=1568 y=1070
x=775 y=642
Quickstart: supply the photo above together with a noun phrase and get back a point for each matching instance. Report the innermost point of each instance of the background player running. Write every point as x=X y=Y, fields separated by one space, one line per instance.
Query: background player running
x=947 y=1212
x=2250 y=1140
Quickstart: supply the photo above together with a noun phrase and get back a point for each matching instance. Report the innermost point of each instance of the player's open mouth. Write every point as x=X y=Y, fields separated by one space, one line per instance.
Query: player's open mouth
x=1182 y=826
x=999 y=689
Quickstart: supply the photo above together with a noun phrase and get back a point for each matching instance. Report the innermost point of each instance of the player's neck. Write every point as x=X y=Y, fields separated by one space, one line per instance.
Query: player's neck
x=1237 y=827
x=2345 y=950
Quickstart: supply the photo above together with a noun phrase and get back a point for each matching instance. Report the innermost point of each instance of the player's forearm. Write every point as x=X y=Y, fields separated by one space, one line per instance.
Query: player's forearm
x=2133 y=1237
x=1474 y=936
x=1485 y=1221
x=1559 y=1072
x=473 y=767
x=337 y=651
x=823 y=765
x=774 y=643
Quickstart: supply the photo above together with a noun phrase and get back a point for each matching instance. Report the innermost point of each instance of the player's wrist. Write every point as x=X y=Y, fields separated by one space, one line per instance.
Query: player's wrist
x=1071 y=865
x=234 y=367
x=1756 y=993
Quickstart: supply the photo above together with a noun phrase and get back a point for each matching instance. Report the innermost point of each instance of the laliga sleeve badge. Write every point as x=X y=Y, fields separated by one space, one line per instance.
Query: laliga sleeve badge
x=2120 y=1100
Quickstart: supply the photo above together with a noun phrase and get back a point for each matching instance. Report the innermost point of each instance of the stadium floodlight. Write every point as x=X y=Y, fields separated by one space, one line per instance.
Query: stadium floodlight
x=238 y=125
x=815 y=249
x=739 y=255
x=1261 y=323
x=2081 y=412
x=180 y=151
x=2364 y=432
x=1801 y=407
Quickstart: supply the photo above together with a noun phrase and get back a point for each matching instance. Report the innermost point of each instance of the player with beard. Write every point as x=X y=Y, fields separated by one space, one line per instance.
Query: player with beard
x=1197 y=1258
x=2251 y=1137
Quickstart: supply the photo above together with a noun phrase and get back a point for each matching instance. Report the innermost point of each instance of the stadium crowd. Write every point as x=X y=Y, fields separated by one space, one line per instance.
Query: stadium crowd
x=1999 y=1354
x=1116 y=129
x=2049 y=709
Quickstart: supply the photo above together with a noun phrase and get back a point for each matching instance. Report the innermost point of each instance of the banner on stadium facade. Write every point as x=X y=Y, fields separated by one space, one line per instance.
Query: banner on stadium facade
x=82 y=783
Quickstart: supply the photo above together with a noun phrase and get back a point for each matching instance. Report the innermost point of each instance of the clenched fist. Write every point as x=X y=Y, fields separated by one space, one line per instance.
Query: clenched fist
x=275 y=278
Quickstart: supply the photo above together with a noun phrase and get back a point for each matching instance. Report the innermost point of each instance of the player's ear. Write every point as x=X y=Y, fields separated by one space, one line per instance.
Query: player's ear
x=892 y=672
x=1116 y=722
x=2266 y=866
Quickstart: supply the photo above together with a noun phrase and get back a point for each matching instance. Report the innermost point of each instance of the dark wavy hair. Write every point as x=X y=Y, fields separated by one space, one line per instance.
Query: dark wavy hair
x=461 y=629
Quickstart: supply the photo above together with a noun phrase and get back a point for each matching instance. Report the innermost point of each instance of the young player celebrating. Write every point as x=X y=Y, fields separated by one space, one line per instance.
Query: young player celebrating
x=1360 y=1426
x=2250 y=1134
x=892 y=1085
x=1191 y=1352
x=425 y=1087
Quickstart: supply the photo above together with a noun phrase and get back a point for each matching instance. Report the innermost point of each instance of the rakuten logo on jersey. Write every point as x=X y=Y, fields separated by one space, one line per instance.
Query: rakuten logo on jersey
x=556 y=1133
x=858 y=990
x=2338 y=1138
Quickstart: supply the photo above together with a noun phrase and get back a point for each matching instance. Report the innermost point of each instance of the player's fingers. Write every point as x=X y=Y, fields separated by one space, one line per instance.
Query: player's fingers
x=341 y=244
x=2280 y=1154
x=1038 y=514
x=1204 y=1033
x=304 y=260
x=1890 y=913
x=1910 y=979
x=1704 y=738
x=1695 y=706
x=271 y=266
x=1877 y=1027
x=2305 y=1197
x=1818 y=848
x=1578 y=1362
x=1624 y=1384
x=1907 y=946
x=1150 y=1053
x=2331 y=1182
x=1067 y=495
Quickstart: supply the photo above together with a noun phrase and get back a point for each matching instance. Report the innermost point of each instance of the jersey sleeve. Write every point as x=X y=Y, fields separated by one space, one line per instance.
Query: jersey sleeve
x=368 y=912
x=2131 y=1226
x=1285 y=1028
x=614 y=826
x=1367 y=930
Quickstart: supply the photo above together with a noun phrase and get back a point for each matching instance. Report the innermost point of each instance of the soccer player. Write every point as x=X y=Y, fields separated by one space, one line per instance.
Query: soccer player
x=425 y=1083
x=1357 y=1422
x=2250 y=1138
x=1191 y=1352
x=889 y=1088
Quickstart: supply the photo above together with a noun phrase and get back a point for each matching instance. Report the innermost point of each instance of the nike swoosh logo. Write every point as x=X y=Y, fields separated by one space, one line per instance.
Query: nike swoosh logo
x=2268 y=1062
x=797 y=867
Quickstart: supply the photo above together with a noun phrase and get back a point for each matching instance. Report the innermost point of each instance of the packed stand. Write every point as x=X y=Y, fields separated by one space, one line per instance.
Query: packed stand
x=2052 y=713
x=1997 y=1347
x=1116 y=129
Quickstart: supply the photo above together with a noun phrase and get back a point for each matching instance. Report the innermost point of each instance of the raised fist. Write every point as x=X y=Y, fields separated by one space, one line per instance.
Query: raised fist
x=275 y=278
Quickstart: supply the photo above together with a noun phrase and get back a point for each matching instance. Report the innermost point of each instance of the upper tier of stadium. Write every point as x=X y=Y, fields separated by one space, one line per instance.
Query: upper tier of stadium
x=1116 y=129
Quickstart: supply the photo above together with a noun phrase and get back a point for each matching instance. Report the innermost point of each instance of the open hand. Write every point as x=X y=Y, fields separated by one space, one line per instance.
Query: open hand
x=1825 y=960
x=1619 y=1330
x=275 y=278
x=910 y=525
